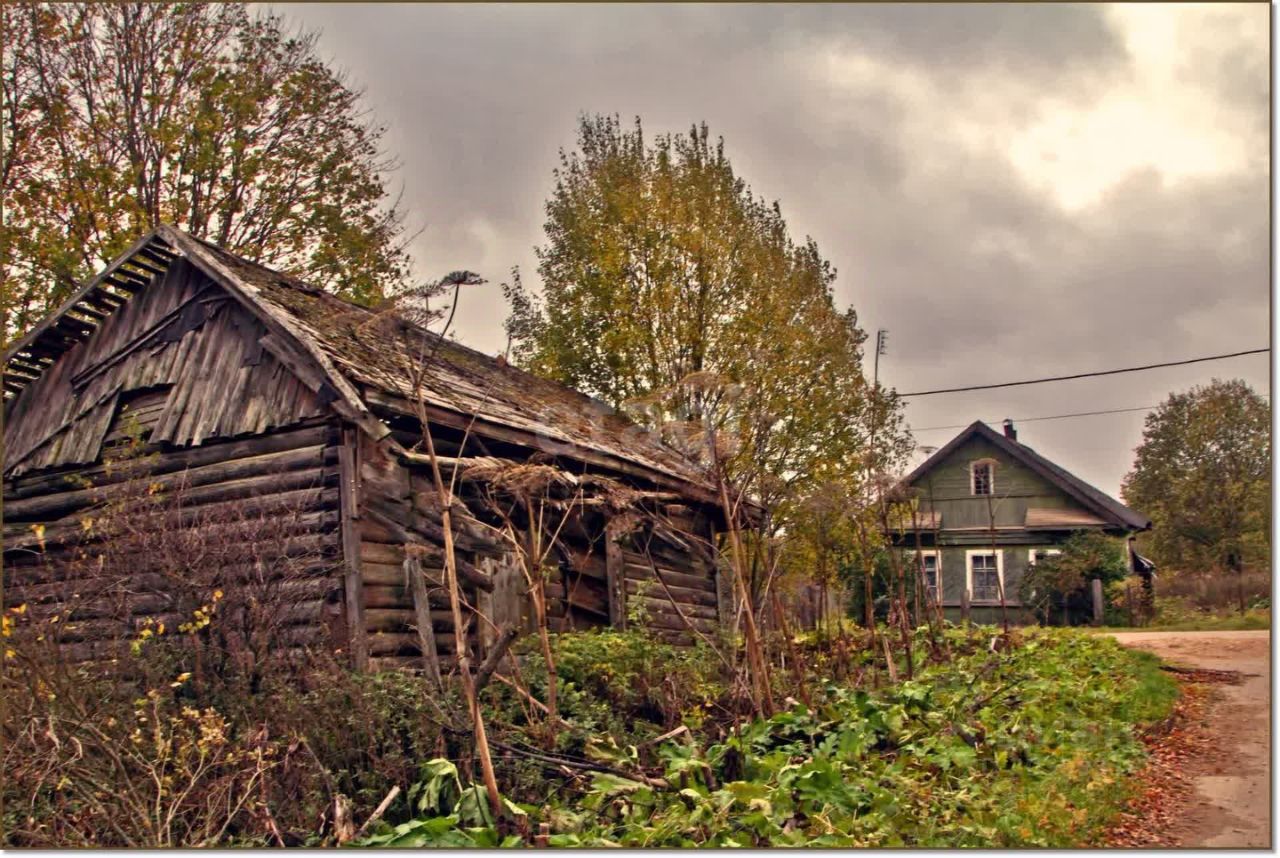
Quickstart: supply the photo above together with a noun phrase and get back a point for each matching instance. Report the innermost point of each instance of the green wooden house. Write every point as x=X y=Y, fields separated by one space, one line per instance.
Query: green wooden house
x=988 y=508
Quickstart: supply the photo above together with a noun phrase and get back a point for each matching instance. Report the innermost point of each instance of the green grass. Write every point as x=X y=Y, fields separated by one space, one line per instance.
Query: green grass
x=1253 y=620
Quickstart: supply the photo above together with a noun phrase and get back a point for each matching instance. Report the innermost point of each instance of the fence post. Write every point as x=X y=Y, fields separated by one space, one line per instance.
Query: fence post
x=1096 y=587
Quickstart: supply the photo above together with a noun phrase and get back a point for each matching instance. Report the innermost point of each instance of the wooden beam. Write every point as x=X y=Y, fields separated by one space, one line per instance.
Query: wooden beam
x=353 y=588
x=422 y=617
x=137 y=262
x=615 y=571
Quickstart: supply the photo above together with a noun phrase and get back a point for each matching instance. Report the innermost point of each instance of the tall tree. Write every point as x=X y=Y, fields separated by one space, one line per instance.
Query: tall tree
x=119 y=116
x=671 y=289
x=1203 y=475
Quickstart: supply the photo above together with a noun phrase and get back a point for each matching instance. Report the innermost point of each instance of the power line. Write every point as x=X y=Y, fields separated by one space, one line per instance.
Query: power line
x=1060 y=416
x=1082 y=374
x=1051 y=417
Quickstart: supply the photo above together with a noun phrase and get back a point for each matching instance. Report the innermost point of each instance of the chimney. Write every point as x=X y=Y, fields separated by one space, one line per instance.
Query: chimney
x=1009 y=431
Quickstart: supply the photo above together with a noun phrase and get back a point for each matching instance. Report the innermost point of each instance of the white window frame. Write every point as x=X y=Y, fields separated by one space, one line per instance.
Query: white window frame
x=973 y=477
x=936 y=554
x=1048 y=552
x=968 y=572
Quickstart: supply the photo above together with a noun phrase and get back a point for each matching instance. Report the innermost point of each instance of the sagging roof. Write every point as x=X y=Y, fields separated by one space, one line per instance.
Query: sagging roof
x=331 y=345
x=1109 y=510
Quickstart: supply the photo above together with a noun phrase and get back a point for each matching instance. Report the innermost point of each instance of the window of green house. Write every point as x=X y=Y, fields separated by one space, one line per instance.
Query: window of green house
x=983 y=477
x=986 y=572
x=930 y=571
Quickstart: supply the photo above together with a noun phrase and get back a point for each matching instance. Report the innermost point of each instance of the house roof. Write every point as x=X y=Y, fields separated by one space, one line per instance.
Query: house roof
x=1109 y=510
x=332 y=345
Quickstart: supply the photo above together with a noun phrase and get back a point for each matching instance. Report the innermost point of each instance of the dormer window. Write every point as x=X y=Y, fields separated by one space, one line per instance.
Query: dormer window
x=983 y=476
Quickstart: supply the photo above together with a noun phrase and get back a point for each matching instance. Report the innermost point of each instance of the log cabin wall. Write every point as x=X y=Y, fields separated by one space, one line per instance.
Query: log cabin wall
x=660 y=574
x=396 y=508
x=117 y=543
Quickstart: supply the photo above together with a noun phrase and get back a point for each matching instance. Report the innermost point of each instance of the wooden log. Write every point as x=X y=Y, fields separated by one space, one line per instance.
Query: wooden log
x=683 y=595
x=294 y=544
x=671 y=577
x=168 y=461
x=389 y=574
x=588 y=596
x=381 y=552
x=466 y=571
x=382 y=644
x=664 y=620
x=674 y=638
x=658 y=604
x=588 y=563
x=401 y=619
x=400 y=595
x=307 y=509
x=205 y=491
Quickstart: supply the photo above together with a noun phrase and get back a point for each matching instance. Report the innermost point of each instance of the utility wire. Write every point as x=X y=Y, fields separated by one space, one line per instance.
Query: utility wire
x=1082 y=374
x=1017 y=420
x=1058 y=416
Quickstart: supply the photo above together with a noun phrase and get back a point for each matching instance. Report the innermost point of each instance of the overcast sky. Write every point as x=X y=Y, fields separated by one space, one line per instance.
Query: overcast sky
x=1011 y=191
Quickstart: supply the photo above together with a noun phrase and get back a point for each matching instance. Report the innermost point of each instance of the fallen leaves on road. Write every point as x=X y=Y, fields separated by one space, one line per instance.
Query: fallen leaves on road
x=1176 y=746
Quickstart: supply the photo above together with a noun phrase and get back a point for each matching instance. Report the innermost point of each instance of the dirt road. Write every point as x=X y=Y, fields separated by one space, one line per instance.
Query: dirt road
x=1232 y=802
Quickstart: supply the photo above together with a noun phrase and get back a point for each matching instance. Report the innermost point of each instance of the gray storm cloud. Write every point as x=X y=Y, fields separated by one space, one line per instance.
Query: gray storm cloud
x=904 y=140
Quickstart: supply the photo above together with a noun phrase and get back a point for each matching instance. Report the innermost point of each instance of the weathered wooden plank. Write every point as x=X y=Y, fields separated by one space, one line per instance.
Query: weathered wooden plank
x=466 y=570
x=381 y=552
x=285 y=512
x=673 y=622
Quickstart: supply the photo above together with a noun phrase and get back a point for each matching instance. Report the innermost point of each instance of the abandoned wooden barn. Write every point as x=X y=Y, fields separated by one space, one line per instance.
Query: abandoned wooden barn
x=272 y=428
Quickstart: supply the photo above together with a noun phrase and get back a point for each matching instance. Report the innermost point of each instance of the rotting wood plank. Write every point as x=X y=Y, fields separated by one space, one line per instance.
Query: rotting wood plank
x=298 y=352
x=529 y=439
